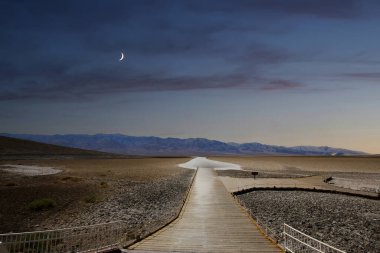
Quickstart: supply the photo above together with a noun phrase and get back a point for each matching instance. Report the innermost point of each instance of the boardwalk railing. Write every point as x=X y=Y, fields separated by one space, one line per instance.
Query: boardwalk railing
x=297 y=242
x=93 y=238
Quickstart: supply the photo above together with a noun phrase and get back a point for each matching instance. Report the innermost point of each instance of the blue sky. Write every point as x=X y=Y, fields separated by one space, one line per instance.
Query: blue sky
x=277 y=72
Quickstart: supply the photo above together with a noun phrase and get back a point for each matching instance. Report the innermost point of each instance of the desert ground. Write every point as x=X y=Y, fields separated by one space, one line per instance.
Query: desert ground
x=146 y=193
x=306 y=164
x=351 y=173
x=348 y=222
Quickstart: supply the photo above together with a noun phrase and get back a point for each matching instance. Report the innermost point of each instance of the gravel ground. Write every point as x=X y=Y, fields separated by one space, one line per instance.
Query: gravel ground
x=145 y=198
x=346 y=222
x=143 y=206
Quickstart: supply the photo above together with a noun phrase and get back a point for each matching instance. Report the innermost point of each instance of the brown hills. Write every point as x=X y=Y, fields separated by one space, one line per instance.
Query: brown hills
x=17 y=148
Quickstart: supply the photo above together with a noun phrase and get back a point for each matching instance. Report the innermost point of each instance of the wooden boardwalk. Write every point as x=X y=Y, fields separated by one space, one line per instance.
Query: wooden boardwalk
x=211 y=221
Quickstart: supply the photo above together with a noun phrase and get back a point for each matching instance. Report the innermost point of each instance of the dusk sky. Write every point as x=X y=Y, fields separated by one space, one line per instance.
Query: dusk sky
x=276 y=72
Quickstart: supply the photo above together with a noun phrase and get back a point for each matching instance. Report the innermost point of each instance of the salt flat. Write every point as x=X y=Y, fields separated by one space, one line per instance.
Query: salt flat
x=30 y=170
x=203 y=162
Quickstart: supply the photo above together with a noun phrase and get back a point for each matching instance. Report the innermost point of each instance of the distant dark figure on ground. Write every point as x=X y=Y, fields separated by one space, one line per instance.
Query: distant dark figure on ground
x=254 y=174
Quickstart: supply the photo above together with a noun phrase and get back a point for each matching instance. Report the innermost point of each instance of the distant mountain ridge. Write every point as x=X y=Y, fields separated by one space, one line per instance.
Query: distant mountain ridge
x=156 y=146
x=21 y=148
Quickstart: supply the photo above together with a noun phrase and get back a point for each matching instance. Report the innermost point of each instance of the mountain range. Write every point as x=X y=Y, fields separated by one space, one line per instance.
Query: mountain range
x=156 y=146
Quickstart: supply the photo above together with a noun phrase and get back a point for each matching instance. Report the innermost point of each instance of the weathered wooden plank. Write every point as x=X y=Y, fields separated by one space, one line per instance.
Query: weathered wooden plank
x=209 y=222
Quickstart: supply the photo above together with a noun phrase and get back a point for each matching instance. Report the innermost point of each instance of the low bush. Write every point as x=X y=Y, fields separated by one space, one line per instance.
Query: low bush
x=72 y=179
x=91 y=198
x=41 y=204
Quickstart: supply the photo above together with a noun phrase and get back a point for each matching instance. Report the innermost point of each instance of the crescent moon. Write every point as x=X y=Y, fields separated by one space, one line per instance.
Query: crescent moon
x=122 y=56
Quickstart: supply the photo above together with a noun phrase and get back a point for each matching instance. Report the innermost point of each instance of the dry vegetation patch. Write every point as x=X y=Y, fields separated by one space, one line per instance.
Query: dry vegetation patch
x=41 y=204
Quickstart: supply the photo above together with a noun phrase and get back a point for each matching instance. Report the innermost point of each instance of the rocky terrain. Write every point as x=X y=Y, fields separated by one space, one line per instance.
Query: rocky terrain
x=143 y=206
x=346 y=222
x=145 y=193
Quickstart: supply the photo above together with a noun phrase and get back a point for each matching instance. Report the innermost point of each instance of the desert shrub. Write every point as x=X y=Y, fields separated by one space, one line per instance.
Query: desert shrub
x=103 y=184
x=11 y=184
x=90 y=198
x=41 y=204
x=73 y=179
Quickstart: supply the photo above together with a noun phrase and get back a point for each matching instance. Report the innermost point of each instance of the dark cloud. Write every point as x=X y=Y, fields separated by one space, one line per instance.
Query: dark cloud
x=281 y=85
x=363 y=75
x=320 y=8
x=64 y=49
x=92 y=84
x=258 y=54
